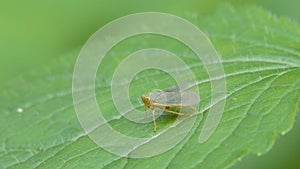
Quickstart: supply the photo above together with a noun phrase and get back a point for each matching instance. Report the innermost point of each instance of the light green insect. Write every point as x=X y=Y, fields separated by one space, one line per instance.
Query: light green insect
x=171 y=101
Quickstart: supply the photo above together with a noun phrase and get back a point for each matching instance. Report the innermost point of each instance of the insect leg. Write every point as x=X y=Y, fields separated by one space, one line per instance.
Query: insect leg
x=154 y=120
x=174 y=112
x=146 y=113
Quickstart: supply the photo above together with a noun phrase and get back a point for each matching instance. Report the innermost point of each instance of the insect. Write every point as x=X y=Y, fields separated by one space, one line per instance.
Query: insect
x=171 y=101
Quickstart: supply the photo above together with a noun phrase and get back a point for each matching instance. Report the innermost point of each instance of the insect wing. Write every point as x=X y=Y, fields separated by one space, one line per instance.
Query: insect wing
x=189 y=99
x=176 y=98
x=181 y=87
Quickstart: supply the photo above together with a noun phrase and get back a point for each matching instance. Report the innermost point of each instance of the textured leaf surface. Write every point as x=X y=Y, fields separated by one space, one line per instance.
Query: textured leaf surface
x=261 y=58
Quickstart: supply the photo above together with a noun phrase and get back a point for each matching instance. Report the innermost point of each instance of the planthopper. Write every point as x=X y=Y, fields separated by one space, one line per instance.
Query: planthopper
x=173 y=100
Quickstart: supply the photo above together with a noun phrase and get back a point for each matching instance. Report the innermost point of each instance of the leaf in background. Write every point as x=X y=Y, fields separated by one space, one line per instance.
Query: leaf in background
x=261 y=58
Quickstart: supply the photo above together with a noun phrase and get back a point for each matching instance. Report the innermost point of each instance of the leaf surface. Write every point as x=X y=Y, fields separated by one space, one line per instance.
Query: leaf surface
x=261 y=58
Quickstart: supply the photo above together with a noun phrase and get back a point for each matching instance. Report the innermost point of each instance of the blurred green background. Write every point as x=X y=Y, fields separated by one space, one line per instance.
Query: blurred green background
x=32 y=33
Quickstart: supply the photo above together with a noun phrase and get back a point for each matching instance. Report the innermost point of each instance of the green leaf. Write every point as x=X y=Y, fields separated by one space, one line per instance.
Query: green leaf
x=261 y=57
